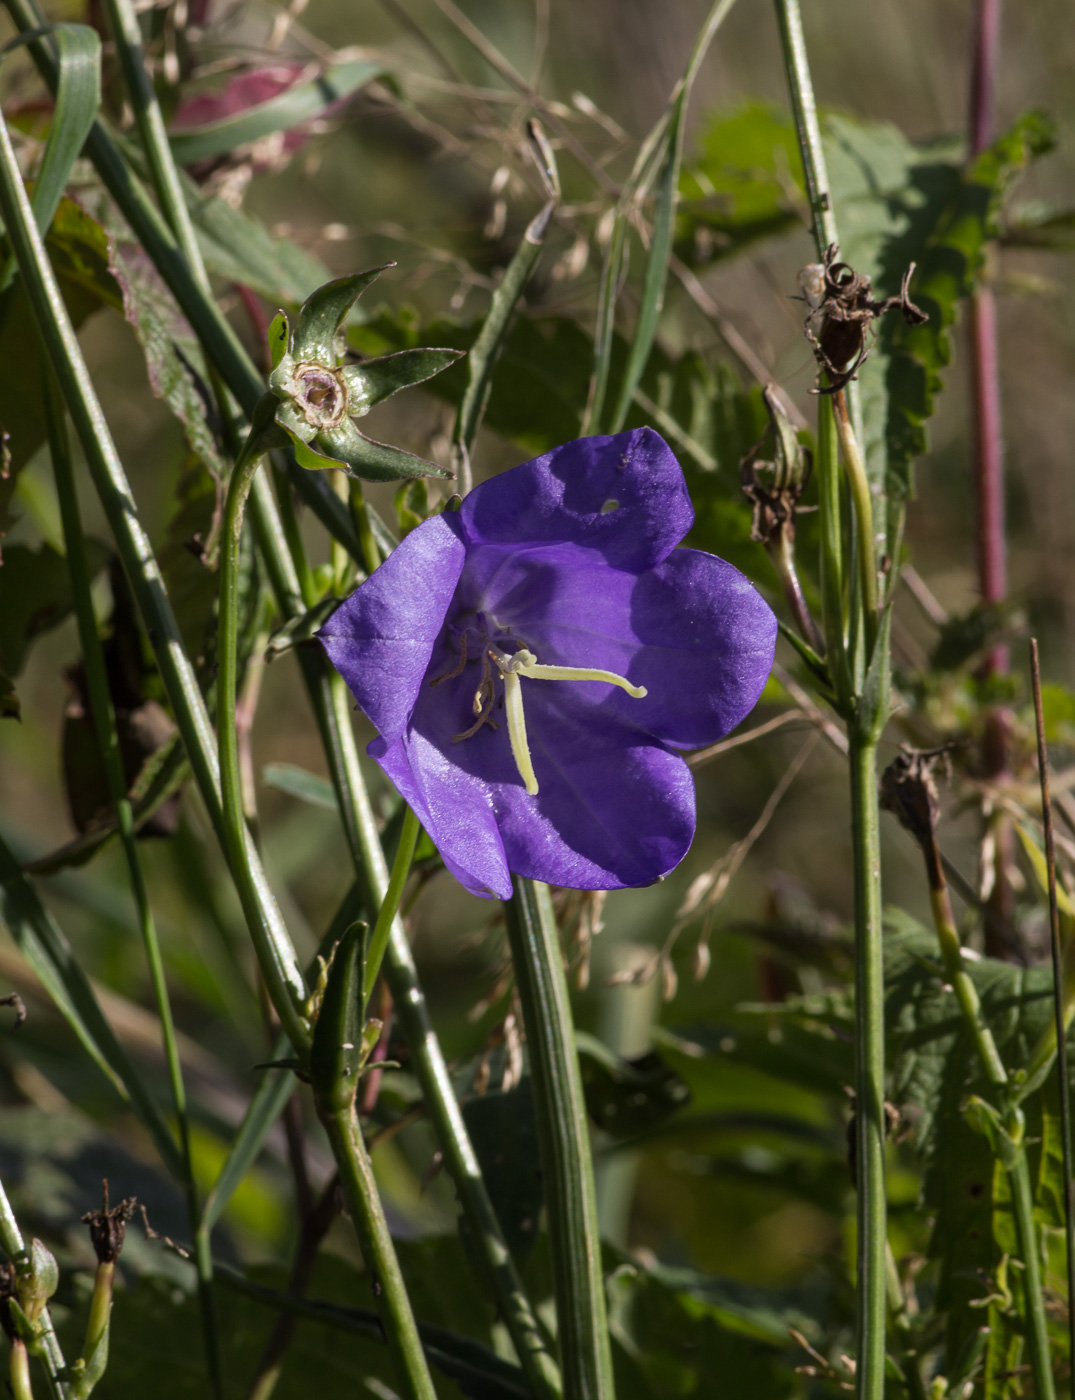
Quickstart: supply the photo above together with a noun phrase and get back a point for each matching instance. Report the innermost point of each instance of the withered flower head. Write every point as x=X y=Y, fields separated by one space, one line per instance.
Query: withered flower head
x=108 y=1227
x=840 y=322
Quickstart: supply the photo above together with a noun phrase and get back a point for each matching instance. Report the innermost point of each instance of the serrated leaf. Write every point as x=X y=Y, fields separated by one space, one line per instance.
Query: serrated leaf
x=900 y=203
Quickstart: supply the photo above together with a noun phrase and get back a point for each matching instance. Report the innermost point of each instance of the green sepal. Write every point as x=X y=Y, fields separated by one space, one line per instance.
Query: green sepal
x=373 y=381
x=294 y=423
x=322 y=315
x=279 y=338
x=345 y=447
x=337 y=1050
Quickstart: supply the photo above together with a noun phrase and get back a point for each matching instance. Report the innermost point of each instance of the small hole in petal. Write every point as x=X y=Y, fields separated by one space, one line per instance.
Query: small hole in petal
x=609 y=506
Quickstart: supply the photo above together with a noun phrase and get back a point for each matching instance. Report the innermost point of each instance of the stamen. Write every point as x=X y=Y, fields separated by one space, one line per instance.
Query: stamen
x=525 y=663
x=484 y=700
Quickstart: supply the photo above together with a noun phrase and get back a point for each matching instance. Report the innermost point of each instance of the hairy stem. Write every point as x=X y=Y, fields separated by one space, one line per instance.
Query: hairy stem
x=564 y=1143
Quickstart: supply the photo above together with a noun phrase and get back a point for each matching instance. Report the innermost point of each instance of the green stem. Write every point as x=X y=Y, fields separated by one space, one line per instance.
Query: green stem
x=378 y=1252
x=1030 y=1249
x=152 y=132
x=869 y=1073
x=332 y=707
x=236 y=834
x=564 y=1143
x=50 y=1355
x=140 y=565
x=965 y=991
x=393 y=896
x=104 y=723
x=804 y=107
x=21 y=1389
x=833 y=590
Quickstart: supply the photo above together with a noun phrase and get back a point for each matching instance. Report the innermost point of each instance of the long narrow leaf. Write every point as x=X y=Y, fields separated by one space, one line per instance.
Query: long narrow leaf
x=656 y=275
x=289 y=109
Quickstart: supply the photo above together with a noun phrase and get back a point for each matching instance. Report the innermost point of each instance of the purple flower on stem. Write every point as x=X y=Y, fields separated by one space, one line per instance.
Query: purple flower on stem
x=534 y=661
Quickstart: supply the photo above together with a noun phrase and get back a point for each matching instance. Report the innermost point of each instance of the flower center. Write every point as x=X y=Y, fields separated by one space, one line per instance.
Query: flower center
x=511 y=668
x=321 y=395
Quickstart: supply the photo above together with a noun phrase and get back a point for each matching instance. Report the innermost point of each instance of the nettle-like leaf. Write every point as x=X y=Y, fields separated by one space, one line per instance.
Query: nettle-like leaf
x=743 y=184
x=900 y=203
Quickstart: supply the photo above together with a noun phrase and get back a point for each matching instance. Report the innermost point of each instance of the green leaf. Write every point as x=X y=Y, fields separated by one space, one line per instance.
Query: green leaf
x=238 y=247
x=900 y=203
x=78 y=250
x=743 y=184
x=679 y=1343
x=299 y=103
x=78 y=97
x=37 y=596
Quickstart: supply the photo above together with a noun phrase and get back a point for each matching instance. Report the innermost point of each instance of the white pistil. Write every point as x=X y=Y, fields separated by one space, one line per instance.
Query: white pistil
x=513 y=666
x=520 y=749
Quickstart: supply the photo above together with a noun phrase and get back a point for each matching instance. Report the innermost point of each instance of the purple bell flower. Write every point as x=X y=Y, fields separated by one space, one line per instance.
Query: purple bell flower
x=534 y=661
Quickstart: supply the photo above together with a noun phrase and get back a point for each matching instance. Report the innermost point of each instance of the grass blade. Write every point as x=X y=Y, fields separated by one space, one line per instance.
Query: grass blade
x=298 y=104
x=660 y=251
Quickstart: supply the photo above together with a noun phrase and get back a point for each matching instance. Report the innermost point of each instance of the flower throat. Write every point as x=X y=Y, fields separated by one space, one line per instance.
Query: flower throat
x=512 y=667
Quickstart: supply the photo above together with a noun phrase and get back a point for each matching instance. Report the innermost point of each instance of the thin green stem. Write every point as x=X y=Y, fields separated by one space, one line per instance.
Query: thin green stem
x=804 y=107
x=152 y=132
x=104 y=723
x=869 y=1074
x=1030 y=1250
x=965 y=991
x=1059 y=1014
x=236 y=834
x=393 y=896
x=21 y=1389
x=833 y=590
x=564 y=1143
x=360 y=1190
x=140 y=565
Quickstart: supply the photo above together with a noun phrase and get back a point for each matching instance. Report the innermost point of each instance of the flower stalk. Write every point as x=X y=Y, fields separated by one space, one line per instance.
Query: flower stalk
x=564 y=1143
